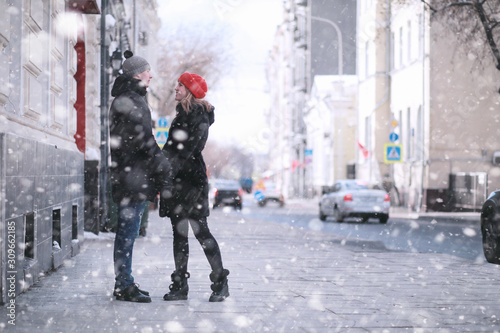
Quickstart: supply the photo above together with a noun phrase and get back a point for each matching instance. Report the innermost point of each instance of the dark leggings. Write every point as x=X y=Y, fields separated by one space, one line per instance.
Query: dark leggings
x=180 y=227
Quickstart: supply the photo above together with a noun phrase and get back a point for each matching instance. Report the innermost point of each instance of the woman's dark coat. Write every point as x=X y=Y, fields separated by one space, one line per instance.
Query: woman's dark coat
x=138 y=168
x=186 y=140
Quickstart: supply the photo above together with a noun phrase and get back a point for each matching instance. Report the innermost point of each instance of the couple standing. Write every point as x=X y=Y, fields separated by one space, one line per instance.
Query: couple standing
x=140 y=170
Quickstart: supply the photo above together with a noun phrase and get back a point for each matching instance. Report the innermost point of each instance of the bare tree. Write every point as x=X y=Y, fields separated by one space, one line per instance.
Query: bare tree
x=205 y=50
x=227 y=161
x=201 y=50
x=471 y=21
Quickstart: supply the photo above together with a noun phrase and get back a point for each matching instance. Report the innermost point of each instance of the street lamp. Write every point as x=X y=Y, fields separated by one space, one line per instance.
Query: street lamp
x=339 y=37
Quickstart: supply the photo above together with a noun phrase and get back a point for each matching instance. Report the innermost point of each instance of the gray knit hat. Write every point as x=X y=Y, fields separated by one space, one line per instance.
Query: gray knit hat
x=134 y=65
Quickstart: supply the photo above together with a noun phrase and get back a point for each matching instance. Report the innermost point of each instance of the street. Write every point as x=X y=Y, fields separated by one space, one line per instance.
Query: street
x=458 y=238
x=283 y=279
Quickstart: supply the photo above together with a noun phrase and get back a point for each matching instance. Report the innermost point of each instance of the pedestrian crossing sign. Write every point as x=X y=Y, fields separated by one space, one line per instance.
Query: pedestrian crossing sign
x=393 y=153
x=161 y=136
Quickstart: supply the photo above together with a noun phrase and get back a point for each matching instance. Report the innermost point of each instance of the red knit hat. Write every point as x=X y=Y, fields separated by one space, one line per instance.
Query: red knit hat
x=195 y=84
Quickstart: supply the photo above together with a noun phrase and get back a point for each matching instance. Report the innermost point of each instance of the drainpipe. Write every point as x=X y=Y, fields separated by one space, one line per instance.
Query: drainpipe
x=103 y=167
x=134 y=18
x=421 y=198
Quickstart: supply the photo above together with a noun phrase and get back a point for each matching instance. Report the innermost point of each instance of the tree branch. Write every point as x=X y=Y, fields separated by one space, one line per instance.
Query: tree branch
x=428 y=5
x=455 y=4
x=488 y=25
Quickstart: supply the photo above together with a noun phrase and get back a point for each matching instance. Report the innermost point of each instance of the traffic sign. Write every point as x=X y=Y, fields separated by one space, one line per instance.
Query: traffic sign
x=393 y=137
x=161 y=136
x=162 y=122
x=259 y=196
x=393 y=153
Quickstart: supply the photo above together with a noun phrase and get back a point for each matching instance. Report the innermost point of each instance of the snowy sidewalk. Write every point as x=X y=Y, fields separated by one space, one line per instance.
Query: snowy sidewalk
x=282 y=279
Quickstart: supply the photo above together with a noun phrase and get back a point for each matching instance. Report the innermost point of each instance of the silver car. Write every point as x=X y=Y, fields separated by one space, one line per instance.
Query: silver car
x=353 y=198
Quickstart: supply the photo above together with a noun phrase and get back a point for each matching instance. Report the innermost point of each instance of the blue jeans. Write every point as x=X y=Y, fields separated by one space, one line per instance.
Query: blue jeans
x=127 y=230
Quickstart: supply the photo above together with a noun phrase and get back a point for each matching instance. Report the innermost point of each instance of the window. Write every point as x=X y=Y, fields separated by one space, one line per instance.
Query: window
x=420 y=34
x=409 y=135
x=409 y=41
x=29 y=235
x=56 y=227
x=392 y=51
x=367 y=59
x=420 y=135
x=400 y=127
x=400 y=47
x=74 y=222
x=368 y=133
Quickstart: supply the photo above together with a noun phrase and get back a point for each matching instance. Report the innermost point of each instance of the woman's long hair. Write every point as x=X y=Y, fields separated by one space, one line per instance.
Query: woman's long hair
x=190 y=99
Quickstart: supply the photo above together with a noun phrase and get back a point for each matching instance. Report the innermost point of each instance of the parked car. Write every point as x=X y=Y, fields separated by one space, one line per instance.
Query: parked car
x=269 y=193
x=354 y=198
x=490 y=228
x=225 y=192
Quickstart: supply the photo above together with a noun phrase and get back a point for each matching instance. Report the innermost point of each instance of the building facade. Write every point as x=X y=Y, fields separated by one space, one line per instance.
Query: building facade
x=331 y=122
x=42 y=169
x=374 y=89
x=55 y=78
x=427 y=106
x=317 y=37
x=435 y=92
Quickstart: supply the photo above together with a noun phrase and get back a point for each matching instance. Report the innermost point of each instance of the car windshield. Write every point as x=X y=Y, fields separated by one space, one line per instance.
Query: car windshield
x=270 y=187
x=355 y=186
x=226 y=184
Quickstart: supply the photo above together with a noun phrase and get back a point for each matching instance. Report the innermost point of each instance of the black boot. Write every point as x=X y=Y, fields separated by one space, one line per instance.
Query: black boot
x=132 y=294
x=219 y=286
x=179 y=288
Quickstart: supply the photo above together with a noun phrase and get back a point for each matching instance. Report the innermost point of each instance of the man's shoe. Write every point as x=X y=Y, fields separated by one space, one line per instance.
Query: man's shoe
x=132 y=294
x=116 y=292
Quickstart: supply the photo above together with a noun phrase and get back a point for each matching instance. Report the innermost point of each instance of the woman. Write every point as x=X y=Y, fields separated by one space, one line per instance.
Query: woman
x=189 y=202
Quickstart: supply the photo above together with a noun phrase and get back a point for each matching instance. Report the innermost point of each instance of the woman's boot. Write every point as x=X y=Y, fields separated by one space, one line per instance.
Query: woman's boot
x=179 y=287
x=219 y=286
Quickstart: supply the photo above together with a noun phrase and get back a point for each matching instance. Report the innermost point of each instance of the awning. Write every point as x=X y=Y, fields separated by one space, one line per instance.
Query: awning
x=84 y=6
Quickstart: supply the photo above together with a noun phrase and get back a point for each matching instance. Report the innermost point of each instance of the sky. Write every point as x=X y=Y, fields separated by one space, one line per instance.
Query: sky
x=241 y=98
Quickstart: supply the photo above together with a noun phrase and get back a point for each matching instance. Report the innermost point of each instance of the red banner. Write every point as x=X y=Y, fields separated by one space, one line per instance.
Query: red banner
x=363 y=149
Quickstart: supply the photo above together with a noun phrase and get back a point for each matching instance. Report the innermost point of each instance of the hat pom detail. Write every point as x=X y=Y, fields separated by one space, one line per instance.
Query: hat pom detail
x=134 y=65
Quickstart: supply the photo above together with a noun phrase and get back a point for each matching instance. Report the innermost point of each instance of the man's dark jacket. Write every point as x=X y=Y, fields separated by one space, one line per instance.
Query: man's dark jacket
x=139 y=170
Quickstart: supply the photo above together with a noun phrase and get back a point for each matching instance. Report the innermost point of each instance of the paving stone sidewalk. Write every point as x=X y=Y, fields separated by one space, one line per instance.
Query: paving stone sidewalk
x=283 y=279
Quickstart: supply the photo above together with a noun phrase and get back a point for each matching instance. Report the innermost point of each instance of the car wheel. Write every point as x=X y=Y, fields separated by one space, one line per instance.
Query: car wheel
x=262 y=203
x=322 y=216
x=491 y=236
x=338 y=216
x=237 y=206
x=383 y=219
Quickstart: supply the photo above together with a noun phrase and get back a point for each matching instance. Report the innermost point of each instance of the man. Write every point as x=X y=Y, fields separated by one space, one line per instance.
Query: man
x=139 y=170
